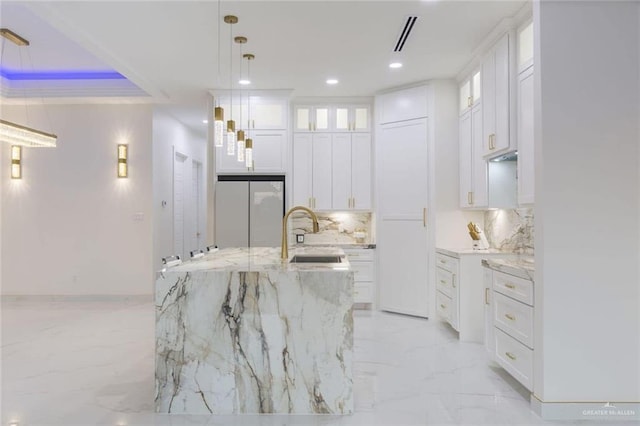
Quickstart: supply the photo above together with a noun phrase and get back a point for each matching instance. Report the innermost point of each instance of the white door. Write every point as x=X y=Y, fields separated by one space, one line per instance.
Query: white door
x=179 y=204
x=269 y=151
x=302 y=169
x=526 y=171
x=401 y=153
x=465 y=156
x=321 y=171
x=197 y=231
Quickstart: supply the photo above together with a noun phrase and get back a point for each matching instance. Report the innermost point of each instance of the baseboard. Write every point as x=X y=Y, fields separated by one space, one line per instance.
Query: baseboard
x=598 y=411
x=77 y=298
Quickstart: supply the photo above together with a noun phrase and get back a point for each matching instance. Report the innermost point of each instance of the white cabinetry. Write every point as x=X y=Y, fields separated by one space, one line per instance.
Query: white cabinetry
x=511 y=315
x=351 y=174
x=264 y=118
x=473 y=167
x=312 y=170
x=470 y=92
x=402 y=199
x=447 y=275
x=362 y=264
x=526 y=169
x=496 y=99
x=312 y=118
x=351 y=118
x=402 y=105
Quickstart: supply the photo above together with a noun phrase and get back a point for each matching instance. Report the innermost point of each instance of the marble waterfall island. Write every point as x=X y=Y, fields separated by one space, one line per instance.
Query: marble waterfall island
x=240 y=331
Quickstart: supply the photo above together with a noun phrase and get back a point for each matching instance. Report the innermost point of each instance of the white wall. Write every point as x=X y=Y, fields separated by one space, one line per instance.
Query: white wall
x=170 y=136
x=587 y=202
x=68 y=226
x=451 y=222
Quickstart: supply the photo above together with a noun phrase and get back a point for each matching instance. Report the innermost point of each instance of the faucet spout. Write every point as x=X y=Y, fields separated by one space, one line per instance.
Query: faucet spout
x=284 y=255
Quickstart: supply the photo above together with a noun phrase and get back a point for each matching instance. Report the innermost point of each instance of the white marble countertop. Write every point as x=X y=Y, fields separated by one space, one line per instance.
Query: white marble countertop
x=342 y=245
x=456 y=252
x=258 y=259
x=522 y=266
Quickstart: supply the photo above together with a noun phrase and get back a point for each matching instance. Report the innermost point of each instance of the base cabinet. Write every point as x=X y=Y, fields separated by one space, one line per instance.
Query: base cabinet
x=363 y=266
x=510 y=323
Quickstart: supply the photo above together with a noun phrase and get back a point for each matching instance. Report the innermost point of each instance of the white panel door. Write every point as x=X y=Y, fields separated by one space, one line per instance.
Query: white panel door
x=480 y=179
x=401 y=153
x=302 y=169
x=465 y=156
x=489 y=100
x=502 y=141
x=269 y=151
x=197 y=232
x=341 y=171
x=179 y=204
x=526 y=170
x=361 y=171
x=321 y=171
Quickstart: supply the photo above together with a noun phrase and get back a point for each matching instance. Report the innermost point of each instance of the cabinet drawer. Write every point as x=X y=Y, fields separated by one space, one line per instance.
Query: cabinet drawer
x=447 y=262
x=445 y=281
x=443 y=306
x=363 y=292
x=514 y=318
x=359 y=255
x=514 y=287
x=514 y=357
x=362 y=271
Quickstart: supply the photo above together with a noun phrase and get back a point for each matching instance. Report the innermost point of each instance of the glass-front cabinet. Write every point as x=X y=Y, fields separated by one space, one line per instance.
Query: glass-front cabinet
x=352 y=118
x=309 y=118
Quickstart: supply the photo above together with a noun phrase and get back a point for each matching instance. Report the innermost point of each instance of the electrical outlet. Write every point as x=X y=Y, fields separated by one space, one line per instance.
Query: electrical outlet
x=300 y=238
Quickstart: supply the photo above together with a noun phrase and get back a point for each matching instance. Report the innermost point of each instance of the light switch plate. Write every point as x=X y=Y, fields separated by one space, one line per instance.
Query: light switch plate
x=300 y=238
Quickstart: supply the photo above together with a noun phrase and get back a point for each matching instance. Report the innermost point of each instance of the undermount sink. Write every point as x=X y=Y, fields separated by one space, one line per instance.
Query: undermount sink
x=306 y=258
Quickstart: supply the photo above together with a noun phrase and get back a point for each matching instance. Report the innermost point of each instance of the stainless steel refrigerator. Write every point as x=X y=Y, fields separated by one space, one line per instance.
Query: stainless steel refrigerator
x=249 y=210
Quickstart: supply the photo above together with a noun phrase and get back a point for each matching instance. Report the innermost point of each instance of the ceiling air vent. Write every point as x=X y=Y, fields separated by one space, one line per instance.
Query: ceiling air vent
x=404 y=35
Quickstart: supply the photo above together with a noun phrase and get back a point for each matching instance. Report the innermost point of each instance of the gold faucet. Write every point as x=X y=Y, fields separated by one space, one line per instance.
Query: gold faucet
x=285 y=242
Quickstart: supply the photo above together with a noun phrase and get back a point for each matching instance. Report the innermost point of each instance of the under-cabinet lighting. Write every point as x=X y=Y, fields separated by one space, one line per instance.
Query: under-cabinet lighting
x=123 y=167
x=205 y=121
x=16 y=162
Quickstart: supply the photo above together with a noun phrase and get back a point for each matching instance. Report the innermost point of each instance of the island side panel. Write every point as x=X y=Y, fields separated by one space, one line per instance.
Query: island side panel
x=254 y=342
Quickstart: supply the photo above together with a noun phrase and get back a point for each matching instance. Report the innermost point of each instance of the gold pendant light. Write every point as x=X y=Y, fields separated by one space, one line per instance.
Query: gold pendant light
x=248 y=146
x=231 y=125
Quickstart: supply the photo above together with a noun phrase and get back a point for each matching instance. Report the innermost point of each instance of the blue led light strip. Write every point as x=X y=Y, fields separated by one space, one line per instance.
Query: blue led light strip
x=61 y=75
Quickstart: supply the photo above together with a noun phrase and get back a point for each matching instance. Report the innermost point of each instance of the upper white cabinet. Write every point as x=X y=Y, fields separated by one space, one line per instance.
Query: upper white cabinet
x=470 y=92
x=402 y=105
x=352 y=118
x=473 y=167
x=310 y=118
x=351 y=173
x=496 y=99
x=269 y=154
x=258 y=112
x=526 y=169
x=312 y=183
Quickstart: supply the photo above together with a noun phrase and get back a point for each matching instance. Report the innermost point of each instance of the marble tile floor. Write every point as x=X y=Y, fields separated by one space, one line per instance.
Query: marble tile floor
x=91 y=363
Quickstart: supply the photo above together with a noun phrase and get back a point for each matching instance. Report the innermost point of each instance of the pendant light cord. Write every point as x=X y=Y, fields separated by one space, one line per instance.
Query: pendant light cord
x=231 y=70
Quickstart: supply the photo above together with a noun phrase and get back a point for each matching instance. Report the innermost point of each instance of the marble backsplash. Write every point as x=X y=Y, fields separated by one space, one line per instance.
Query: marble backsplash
x=510 y=230
x=335 y=228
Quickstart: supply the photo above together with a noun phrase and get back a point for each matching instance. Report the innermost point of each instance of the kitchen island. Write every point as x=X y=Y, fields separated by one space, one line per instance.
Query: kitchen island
x=241 y=331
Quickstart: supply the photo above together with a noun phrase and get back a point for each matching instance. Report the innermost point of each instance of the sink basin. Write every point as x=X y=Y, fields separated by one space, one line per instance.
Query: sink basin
x=306 y=258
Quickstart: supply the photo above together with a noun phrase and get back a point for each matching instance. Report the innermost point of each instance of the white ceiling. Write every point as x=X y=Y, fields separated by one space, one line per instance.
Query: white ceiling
x=170 y=48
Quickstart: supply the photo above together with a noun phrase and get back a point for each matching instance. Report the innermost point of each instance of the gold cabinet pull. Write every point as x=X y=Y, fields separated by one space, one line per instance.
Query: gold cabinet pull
x=443 y=282
x=310 y=204
x=470 y=198
x=443 y=306
x=453 y=280
x=424 y=217
x=510 y=355
x=310 y=126
x=353 y=202
x=469 y=101
x=253 y=124
x=510 y=317
x=443 y=261
x=486 y=296
x=492 y=141
x=314 y=127
x=509 y=285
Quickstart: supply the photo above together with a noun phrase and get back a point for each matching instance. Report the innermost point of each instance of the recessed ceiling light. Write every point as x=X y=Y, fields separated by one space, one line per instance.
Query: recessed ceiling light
x=205 y=121
x=395 y=65
x=332 y=81
x=244 y=82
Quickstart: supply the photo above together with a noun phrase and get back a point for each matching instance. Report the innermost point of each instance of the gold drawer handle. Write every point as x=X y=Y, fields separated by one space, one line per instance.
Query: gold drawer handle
x=510 y=356
x=443 y=282
x=443 y=261
x=510 y=317
x=509 y=285
x=443 y=306
x=486 y=296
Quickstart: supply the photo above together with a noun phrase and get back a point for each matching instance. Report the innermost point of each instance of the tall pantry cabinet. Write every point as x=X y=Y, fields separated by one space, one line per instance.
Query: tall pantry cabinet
x=403 y=231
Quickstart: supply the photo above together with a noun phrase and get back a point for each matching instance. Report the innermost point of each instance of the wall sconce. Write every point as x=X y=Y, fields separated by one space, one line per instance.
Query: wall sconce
x=16 y=162
x=123 y=167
